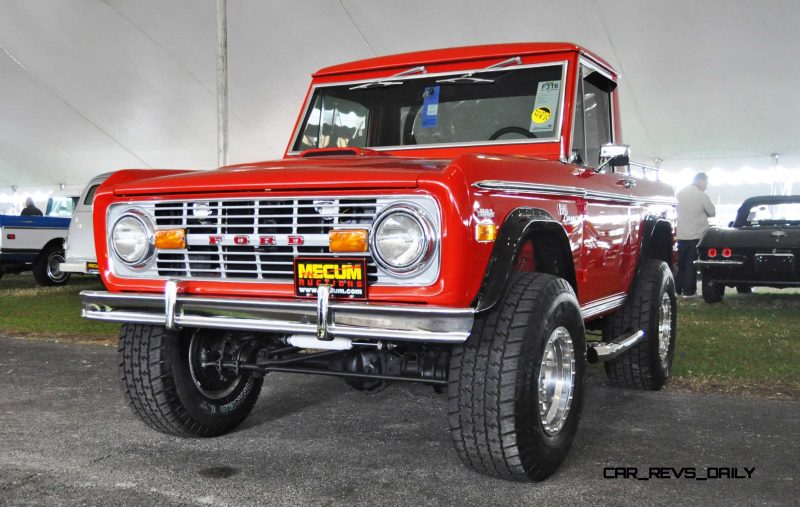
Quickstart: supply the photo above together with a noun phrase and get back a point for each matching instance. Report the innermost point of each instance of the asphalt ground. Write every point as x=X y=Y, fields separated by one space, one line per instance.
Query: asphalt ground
x=68 y=438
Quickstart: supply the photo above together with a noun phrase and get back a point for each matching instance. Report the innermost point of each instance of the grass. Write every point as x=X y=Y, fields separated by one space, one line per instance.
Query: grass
x=749 y=343
x=29 y=310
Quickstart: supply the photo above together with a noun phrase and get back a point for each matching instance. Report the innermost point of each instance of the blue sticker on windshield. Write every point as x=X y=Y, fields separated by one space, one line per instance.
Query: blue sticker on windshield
x=430 y=106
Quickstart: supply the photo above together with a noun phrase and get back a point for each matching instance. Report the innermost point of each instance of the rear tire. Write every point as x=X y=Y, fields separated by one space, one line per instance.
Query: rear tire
x=650 y=307
x=516 y=386
x=45 y=269
x=163 y=385
x=712 y=292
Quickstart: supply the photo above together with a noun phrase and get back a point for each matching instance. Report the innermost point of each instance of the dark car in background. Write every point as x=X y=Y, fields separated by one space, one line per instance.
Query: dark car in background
x=760 y=248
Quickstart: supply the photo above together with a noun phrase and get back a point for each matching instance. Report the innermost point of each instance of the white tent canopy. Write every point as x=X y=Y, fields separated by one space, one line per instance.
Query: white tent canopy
x=89 y=86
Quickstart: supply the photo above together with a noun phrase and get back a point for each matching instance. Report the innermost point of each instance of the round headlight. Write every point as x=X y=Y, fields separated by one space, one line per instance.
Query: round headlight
x=132 y=240
x=402 y=239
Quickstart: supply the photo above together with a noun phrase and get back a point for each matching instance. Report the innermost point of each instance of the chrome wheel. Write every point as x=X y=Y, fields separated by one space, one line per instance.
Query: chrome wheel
x=556 y=380
x=206 y=378
x=664 y=329
x=53 y=272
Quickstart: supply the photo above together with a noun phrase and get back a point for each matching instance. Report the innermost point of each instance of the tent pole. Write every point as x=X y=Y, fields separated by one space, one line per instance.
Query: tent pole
x=222 y=82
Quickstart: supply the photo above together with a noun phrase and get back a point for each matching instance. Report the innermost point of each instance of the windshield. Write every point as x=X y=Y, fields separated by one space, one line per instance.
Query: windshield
x=505 y=105
x=765 y=215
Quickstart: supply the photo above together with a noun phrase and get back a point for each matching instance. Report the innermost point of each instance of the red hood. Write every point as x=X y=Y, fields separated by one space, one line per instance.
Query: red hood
x=318 y=173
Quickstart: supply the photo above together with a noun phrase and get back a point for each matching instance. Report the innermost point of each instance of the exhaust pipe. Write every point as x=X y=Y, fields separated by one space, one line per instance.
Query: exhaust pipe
x=604 y=351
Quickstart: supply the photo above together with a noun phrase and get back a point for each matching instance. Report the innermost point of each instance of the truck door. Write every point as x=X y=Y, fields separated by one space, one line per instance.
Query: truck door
x=607 y=237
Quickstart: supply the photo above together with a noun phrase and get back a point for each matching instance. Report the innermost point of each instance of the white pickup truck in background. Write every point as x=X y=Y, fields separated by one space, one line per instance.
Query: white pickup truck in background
x=80 y=256
x=36 y=243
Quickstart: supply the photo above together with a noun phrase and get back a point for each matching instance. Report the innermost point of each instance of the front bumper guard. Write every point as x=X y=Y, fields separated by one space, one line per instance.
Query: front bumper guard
x=322 y=318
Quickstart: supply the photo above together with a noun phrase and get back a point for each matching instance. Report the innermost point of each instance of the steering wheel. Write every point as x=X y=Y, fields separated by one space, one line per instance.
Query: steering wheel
x=508 y=130
x=408 y=126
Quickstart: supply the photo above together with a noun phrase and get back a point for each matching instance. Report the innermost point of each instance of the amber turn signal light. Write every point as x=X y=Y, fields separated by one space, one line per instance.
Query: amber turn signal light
x=348 y=240
x=485 y=232
x=171 y=239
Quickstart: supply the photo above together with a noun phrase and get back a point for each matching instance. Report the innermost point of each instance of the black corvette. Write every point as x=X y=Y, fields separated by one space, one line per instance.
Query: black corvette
x=760 y=248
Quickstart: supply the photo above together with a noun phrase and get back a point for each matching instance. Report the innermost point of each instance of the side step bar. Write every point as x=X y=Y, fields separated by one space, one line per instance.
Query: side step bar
x=604 y=351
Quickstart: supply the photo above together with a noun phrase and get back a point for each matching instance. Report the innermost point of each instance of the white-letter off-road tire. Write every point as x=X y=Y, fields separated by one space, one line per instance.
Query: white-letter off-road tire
x=650 y=307
x=162 y=388
x=516 y=386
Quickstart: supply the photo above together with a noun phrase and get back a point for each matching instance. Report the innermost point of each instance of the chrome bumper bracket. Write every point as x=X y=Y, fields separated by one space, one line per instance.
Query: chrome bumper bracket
x=323 y=312
x=170 y=298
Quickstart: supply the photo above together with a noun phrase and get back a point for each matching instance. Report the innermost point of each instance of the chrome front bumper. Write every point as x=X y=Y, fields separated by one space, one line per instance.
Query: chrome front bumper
x=321 y=319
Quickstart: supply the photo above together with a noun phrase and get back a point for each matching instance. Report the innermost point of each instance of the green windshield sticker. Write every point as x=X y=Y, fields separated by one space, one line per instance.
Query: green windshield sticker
x=543 y=117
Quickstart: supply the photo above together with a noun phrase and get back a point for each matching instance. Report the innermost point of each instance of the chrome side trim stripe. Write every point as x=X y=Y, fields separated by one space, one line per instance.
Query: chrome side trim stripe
x=522 y=187
x=601 y=306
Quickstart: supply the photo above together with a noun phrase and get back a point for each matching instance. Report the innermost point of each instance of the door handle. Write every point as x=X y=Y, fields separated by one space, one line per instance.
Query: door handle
x=626 y=182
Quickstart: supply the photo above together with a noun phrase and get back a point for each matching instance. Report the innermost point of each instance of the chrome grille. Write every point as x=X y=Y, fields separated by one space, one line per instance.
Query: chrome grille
x=310 y=218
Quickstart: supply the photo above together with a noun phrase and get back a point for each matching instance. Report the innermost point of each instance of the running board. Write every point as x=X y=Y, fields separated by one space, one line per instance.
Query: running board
x=604 y=351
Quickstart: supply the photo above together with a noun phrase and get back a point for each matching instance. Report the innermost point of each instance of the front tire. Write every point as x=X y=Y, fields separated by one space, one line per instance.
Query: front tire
x=45 y=269
x=516 y=386
x=651 y=307
x=168 y=389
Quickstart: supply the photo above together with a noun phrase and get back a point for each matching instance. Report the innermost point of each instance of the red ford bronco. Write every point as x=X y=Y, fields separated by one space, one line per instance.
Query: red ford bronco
x=458 y=217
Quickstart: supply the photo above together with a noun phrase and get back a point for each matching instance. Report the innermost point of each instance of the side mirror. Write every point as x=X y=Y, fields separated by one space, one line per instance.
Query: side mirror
x=615 y=155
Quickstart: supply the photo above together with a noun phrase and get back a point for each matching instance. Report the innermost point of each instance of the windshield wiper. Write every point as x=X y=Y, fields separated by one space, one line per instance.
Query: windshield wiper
x=386 y=81
x=470 y=78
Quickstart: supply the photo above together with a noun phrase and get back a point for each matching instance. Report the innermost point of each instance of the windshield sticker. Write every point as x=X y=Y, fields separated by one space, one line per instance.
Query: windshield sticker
x=541 y=114
x=430 y=106
x=542 y=117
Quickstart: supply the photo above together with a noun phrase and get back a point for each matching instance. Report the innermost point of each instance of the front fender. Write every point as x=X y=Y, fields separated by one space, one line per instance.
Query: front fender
x=520 y=226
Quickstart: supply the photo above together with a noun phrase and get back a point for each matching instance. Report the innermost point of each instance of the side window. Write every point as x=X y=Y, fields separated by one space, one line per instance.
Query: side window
x=592 y=127
x=90 y=195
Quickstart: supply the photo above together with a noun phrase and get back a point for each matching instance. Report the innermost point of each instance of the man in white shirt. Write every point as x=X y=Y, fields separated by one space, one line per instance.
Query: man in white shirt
x=694 y=210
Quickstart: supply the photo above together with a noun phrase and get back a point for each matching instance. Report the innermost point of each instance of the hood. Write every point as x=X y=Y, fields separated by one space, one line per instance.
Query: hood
x=315 y=173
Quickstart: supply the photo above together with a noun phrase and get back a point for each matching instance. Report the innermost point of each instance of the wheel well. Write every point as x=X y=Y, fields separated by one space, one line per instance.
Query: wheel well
x=529 y=240
x=545 y=252
x=59 y=242
x=661 y=243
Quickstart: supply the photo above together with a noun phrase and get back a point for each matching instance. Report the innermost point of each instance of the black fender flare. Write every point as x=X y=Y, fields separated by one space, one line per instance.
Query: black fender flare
x=520 y=226
x=651 y=240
